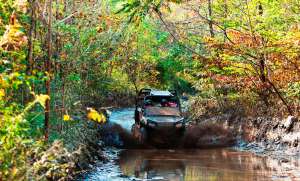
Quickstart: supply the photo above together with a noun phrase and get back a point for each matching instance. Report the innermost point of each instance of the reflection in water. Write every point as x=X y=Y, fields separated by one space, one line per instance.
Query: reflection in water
x=196 y=165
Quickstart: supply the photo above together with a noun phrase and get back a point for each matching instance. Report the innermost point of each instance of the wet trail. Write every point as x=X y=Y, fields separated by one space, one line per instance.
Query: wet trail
x=183 y=164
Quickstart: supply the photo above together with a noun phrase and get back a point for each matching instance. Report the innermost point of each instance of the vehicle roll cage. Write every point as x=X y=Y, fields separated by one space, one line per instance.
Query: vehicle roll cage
x=145 y=92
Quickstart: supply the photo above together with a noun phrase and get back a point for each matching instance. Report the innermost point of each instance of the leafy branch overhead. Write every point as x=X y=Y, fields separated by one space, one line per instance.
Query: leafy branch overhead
x=137 y=10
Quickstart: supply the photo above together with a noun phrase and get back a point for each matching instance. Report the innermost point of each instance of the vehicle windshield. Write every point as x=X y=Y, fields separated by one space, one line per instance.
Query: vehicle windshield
x=162 y=111
x=161 y=101
x=161 y=106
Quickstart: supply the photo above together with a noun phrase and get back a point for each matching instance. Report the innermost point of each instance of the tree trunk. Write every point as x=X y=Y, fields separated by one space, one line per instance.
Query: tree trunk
x=262 y=67
x=290 y=110
x=263 y=79
x=48 y=70
x=29 y=67
x=210 y=23
x=30 y=38
x=62 y=103
x=226 y=15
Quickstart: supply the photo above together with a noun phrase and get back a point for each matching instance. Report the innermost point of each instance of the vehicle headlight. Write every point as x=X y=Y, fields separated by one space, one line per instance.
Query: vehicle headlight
x=179 y=123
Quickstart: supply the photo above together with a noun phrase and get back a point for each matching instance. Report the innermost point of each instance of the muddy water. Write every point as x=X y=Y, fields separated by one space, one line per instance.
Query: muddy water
x=187 y=164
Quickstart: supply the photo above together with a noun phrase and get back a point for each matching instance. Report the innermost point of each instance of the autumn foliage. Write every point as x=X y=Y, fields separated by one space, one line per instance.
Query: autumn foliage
x=62 y=60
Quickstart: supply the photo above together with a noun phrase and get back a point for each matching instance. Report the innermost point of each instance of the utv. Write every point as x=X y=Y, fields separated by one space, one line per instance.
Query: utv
x=158 y=112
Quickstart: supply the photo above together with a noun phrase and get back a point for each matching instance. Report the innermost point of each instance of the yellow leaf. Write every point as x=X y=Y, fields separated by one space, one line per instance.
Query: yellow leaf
x=95 y=116
x=14 y=171
x=2 y=93
x=103 y=118
x=3 y=83
x=13 y=37
x=67 y=117
x=42 y=99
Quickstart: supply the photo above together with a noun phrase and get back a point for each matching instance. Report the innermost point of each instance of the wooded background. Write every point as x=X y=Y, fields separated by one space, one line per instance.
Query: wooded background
x=67 y=55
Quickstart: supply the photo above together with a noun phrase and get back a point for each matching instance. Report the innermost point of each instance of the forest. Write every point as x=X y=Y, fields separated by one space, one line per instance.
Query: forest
x=63 y=60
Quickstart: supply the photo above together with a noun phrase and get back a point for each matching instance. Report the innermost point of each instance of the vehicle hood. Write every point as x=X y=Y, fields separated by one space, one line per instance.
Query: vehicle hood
x=163 y=111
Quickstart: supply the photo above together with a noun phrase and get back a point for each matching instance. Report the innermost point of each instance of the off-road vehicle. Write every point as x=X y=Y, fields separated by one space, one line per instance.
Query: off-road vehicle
x=158 y=112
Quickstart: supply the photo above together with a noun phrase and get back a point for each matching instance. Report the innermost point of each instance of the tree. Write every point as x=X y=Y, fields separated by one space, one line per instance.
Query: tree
x=48 y=69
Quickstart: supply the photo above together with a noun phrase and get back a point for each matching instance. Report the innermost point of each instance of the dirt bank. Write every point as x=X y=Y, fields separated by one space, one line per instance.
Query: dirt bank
x=263 y=135
x=272 y=136
x=76 y=152
x=58 y=163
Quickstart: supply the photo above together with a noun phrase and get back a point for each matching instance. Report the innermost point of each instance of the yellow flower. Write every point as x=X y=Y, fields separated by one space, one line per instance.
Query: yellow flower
x=95 y=116
x=67 y=117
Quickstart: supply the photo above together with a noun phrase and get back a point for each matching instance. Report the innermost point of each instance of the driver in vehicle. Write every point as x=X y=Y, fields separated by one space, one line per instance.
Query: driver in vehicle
x=165 y=103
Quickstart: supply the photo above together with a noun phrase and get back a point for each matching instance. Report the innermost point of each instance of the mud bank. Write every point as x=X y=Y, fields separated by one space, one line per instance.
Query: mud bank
x=263 y=135
x=272 y=136
x=57 y=163
x=66 y=158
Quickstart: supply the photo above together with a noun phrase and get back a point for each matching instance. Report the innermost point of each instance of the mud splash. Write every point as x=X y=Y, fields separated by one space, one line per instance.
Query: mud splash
x=118 y=133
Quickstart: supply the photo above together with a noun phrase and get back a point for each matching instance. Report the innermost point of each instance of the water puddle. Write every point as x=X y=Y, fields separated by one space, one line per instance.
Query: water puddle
x=194 y=165
x=187 y=164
